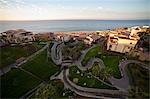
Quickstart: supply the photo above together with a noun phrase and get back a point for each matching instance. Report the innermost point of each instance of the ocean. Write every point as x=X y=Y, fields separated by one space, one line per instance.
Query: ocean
x=69 y=25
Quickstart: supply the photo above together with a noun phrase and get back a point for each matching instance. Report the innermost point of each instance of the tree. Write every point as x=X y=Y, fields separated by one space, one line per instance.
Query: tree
x=105 y=73
x=46 y=92
x=96 y=70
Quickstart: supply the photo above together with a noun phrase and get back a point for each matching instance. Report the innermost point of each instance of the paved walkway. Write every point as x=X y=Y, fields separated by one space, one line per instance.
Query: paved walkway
x=89 y=92
x=56 y=53
x=121 y=84
x=124 y=81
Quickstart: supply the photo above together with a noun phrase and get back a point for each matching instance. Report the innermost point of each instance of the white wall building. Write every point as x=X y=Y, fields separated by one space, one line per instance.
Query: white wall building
x=135 y=30
x=88 y=40
x=119 y=44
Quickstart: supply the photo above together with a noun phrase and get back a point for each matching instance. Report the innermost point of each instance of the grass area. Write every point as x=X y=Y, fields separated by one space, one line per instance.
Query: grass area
x=54 y=89
x=10 y=54
x=86 y=78
x=112 y=62
x=91 y=53
x=139 y=80
x=16 y=83
x=40 y=66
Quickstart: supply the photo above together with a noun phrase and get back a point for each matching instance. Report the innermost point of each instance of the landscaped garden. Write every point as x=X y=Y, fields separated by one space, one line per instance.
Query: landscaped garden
x=54 y=89
x=73 y=51
x=91 y=53
x=16 y=83
x=85 y=80
x=9 y=54
x=41 y=66
x=111 y=61
x=139 y=81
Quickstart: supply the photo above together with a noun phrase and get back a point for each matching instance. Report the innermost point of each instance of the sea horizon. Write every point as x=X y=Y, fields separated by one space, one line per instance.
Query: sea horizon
x=76 y=19
x=67 y=25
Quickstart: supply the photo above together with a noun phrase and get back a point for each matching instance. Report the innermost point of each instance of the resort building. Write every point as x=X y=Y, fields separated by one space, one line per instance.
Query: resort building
x=135 y=30
x=88 y=40
x=24 y=37
x=17 y=36
x=121 y=43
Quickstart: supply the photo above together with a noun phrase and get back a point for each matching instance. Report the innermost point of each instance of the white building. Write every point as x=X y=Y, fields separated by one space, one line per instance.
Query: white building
x=120 y=44
x=135 y=30
x=18 y=36
x=88 y=40
x=66 y=38
x=24 y=36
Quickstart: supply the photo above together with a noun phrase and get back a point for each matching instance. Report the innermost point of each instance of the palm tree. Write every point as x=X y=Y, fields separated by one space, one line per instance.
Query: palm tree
x=105 y=73
x=96 y=70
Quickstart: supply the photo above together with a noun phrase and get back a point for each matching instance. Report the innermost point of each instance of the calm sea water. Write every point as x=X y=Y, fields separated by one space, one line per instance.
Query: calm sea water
x=69 y=25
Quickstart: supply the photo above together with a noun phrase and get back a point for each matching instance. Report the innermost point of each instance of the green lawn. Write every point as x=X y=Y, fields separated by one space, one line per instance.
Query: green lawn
x=16 y=83
x=90 y=82
x=91 y=53
x=112 y=62
x=10 y=54
x=40 y=66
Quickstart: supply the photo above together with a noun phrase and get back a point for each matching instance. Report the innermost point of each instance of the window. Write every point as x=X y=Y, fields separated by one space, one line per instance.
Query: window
x=110 y=46
x=130 y=42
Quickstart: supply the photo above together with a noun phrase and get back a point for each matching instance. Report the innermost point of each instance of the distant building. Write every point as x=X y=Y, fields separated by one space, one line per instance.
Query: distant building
x=88 y=40
x=145 y=26
x=135 y=30
x=121 y=43
x=24 y=37
x=66 y=38
x=17 y=36
x=101 y=33
x=46 y=36
x=144 y=56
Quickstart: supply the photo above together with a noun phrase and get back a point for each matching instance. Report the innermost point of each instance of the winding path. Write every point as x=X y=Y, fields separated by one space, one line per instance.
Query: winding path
x=124 y=81
x=56 y=53
x=122 y=84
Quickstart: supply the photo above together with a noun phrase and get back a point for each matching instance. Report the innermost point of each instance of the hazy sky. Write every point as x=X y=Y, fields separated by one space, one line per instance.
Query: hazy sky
x=74 y=9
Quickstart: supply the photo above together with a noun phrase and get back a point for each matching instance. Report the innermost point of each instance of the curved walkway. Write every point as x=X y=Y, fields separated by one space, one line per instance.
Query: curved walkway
x=121 y=84
x=56 y=53
x=124 y=81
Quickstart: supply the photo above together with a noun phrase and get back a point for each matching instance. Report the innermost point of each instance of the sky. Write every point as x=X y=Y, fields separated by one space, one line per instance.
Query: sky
x=74 y=9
